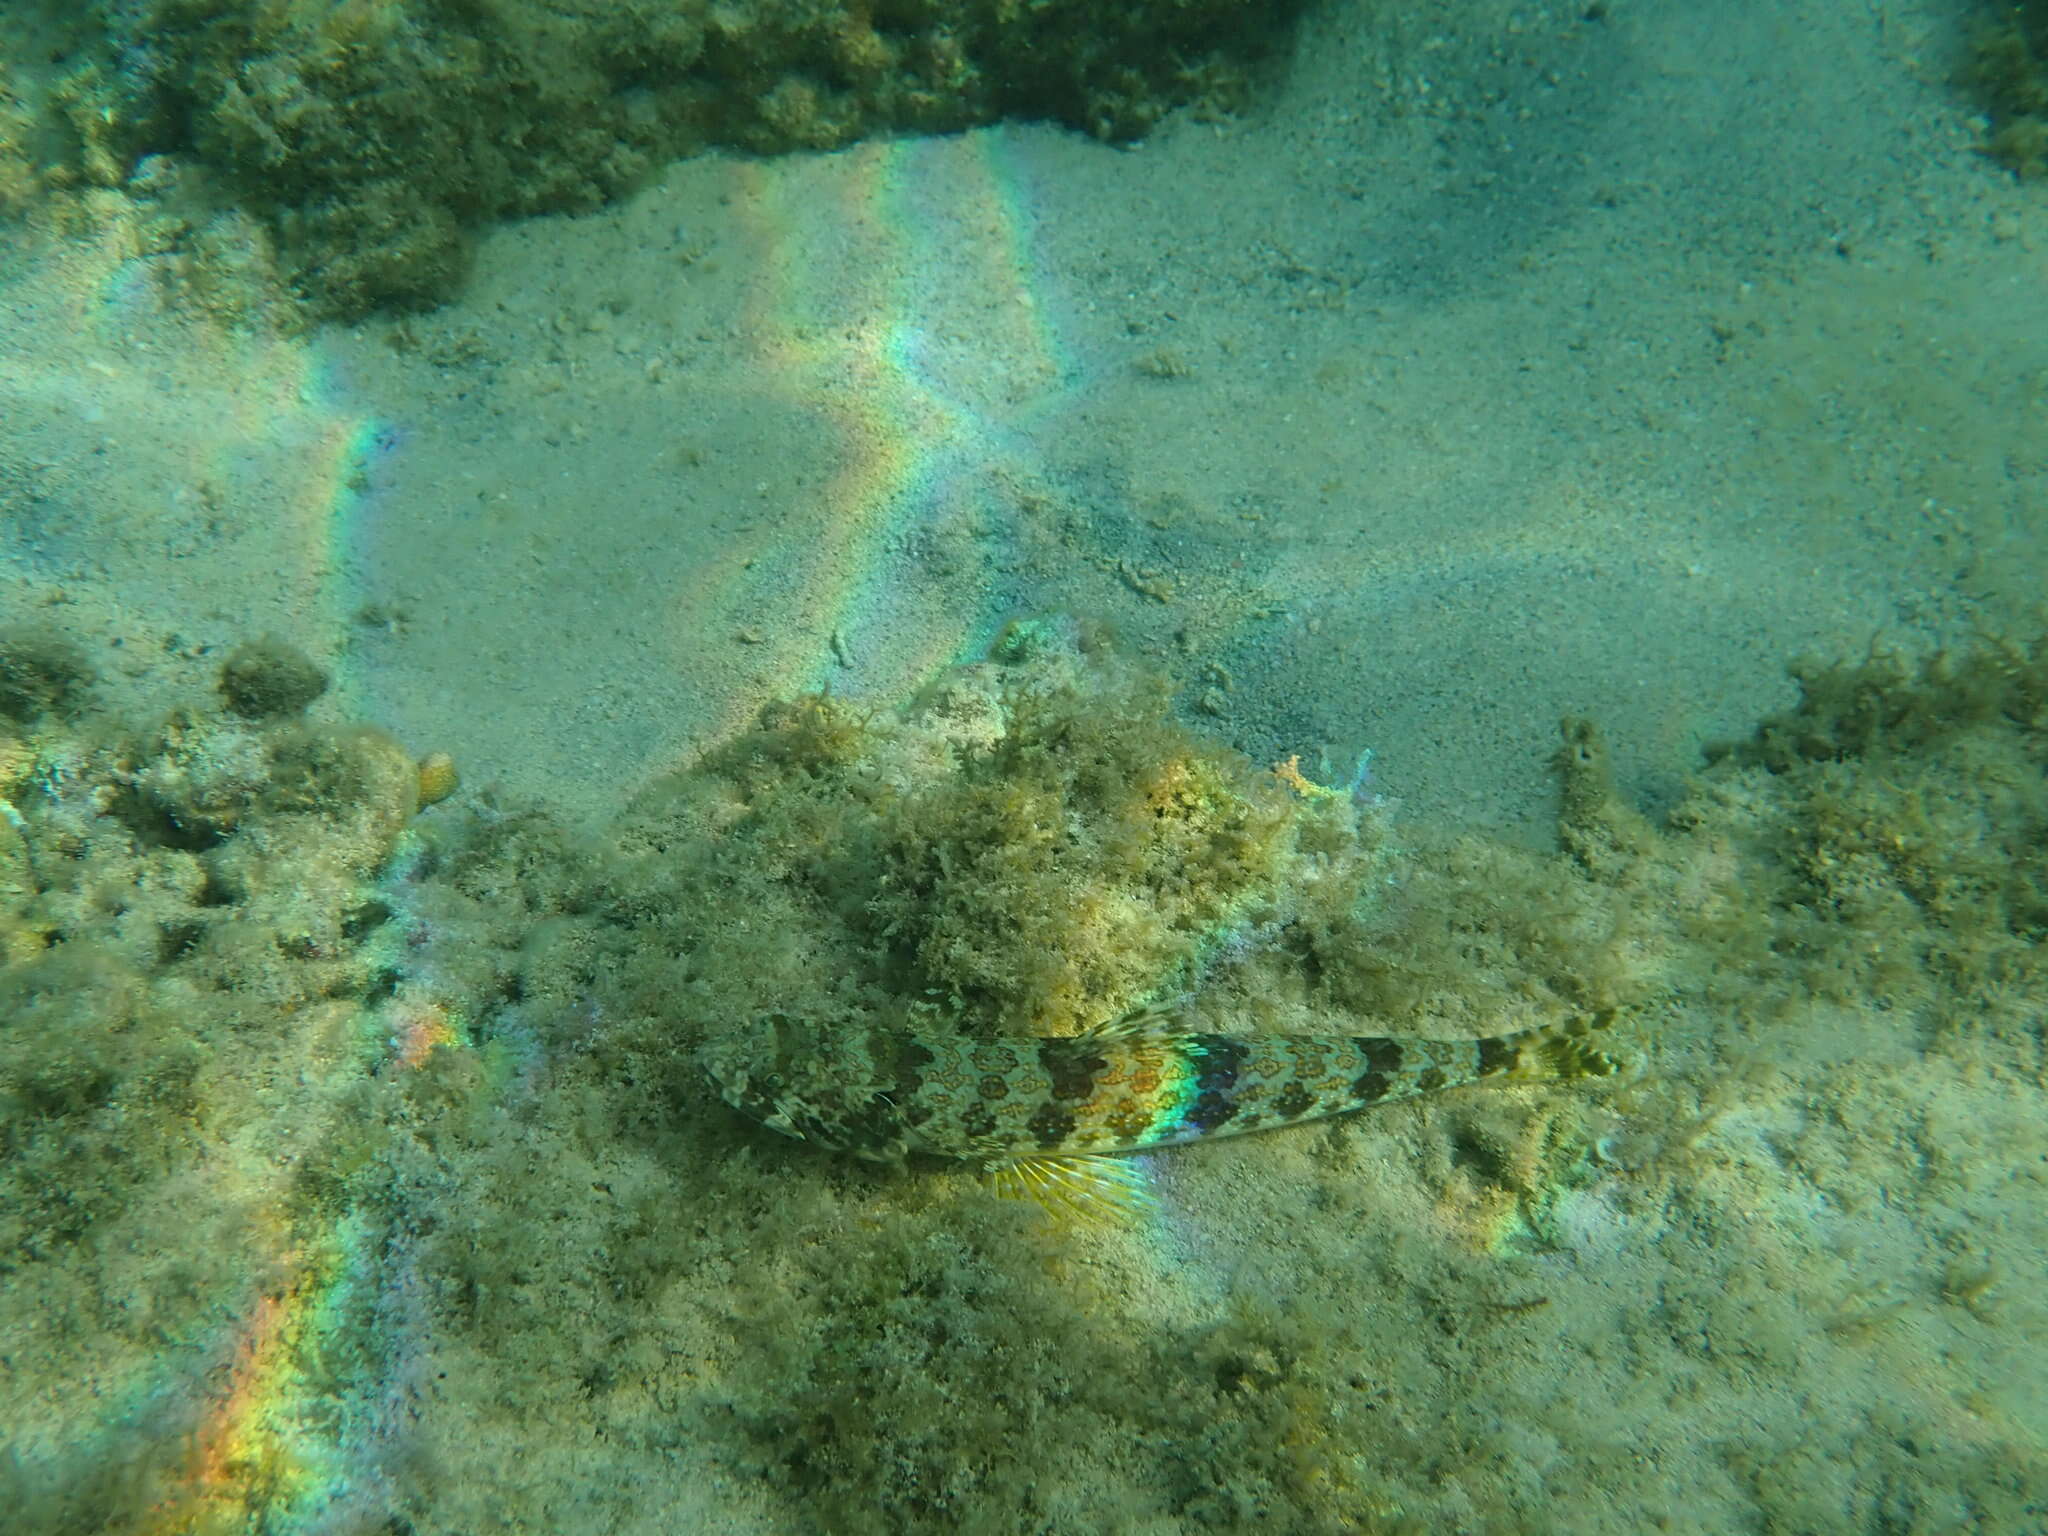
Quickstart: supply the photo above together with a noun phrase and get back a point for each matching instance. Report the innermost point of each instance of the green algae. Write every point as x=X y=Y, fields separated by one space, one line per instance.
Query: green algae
x=187 y=930
x=599 y=1294
x=371 y=137
x=267 y=678
x=41 y=672
x=2008 y=67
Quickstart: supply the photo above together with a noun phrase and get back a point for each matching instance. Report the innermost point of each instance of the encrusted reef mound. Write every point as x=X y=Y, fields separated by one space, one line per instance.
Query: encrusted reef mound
x=1837 y=933
x=366 y=1155
x=1033 y=844
x=1896 y=834
x=192 y=940
x=2008 y=67
x=369 y=135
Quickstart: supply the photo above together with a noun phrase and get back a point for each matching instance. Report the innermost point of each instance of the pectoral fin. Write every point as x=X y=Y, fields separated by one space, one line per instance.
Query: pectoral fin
x=1087 y=1187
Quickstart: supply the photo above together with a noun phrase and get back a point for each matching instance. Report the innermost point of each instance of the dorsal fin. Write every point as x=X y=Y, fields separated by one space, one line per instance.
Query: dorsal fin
x=1148 y=1023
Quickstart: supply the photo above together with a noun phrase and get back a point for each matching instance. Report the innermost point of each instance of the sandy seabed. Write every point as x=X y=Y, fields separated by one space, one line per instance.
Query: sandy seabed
x=1505 y=366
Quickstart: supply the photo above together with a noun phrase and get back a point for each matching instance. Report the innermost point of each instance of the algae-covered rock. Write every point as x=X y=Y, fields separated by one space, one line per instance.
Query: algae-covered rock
x=266 y=678
x=2009 y=68
x=197 y=988
x=40 y=673
x=1031 y=844
x=18 y=181
x=372 y=135
x=406 y=1169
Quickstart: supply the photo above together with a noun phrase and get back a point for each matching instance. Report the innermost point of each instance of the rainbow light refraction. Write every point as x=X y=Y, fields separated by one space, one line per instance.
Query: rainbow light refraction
x=913 y=323
x=225 y=432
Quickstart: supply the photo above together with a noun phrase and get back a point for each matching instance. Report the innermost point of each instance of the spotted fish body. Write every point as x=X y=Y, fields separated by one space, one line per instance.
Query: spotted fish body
x=1020 y=1102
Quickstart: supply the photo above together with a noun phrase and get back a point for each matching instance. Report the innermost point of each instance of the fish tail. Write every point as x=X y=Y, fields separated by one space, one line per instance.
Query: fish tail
x=1563 y=1052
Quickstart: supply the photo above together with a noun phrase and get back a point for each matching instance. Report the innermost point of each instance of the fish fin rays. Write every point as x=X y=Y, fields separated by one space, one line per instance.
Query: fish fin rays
x=1091 y=1188
x=1161 y=1025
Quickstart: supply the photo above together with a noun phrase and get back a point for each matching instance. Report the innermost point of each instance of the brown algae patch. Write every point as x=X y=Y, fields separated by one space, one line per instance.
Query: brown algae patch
x=416 y=1104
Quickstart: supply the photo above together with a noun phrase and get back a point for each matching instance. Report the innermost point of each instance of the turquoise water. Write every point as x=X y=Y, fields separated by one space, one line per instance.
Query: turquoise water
x=772 y=463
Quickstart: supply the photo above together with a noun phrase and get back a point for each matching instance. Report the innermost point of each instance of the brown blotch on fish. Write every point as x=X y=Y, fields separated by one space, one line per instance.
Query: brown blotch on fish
x=1382 y=1055
x=1052 y=1125
x=1371 y=1087
x=1496 y=1054
x=1071 y=1066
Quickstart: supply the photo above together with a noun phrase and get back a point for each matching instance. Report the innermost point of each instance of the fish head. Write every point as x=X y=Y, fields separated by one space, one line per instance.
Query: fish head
x=763 y=1068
